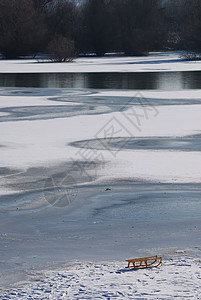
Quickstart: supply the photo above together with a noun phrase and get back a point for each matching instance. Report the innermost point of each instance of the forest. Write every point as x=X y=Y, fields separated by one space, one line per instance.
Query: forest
x=65 y=28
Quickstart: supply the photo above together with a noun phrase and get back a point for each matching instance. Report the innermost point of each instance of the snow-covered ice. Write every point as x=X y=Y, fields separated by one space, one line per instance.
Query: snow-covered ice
x=43 y=142
x=63 y=234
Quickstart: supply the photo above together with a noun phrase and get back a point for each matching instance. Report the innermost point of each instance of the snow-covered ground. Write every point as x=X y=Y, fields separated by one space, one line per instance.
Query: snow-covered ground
x=154 y=62
x=176 y=278
x=90 y=178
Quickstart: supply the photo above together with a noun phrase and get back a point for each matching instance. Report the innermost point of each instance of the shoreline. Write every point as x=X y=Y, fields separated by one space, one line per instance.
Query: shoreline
x=178 y=276
x=154 y=62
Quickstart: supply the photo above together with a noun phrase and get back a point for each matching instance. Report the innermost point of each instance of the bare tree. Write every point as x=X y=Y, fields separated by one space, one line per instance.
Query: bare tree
x=96 y=27
x=61 y=49
x=192 y=27
x=130 y=26
x=42 y=4
x=22 y=30
x=60 y=18
x=139 y=25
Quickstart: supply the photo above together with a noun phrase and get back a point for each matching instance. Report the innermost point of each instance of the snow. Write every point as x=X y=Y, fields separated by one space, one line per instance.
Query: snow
x=3 y=114
x=153 y=94
x=70 y=241
x=43 y=142
x=154 y=62
x=18 y=101
x=175 y=278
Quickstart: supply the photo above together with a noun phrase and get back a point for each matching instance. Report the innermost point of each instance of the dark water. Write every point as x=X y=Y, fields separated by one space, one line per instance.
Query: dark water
x=149 y=80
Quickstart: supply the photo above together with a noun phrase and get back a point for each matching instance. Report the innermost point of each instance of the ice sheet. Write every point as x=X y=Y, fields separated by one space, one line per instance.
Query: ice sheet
x=45 y=142
x=39 y=231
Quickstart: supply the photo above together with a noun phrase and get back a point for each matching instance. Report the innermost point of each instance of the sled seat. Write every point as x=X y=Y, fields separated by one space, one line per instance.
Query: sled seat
x=146 y=262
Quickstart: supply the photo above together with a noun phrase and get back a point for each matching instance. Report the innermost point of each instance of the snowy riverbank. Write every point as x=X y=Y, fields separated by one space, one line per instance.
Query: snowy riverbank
x=178 y=277
x=154 y=62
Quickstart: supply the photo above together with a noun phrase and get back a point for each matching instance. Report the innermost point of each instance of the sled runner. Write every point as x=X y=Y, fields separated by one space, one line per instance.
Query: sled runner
x=146 y=262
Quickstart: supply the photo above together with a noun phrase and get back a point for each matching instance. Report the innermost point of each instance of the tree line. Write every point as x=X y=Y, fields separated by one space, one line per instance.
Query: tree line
x=66 y=28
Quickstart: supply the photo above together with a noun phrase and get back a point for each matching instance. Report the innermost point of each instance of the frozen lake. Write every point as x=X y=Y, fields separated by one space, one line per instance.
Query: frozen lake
x=93 y=172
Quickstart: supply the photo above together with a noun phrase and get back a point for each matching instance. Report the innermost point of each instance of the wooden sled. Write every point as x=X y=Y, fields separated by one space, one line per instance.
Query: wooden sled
x=143 y=263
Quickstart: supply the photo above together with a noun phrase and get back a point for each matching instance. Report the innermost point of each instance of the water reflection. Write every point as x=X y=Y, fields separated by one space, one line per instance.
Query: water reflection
x=147 y=80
